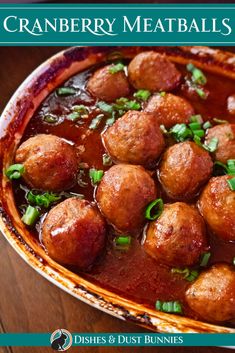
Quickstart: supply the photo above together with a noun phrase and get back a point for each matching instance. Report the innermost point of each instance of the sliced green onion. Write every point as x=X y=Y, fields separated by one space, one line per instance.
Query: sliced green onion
x=231 y=166
x=169 y=307
x=206 y=125
x=220 y=121
x=113 y=69
x=122 y=240
x=74 y=116
x=197 y=118
x=199 y=133
x=110 y=121
x=107 y=108
x=200 y=92
x=50 y=118
x=162 y=94
x=154 y=209
x=15 y=171
x=231 y=183
x=205 y=259
x=126 y=104
x=181 y=132
x=96 y=175
x=65 y=91
x=195 y=126
x=96 y=122
x=189 y=275
x=197 y=75
x=30 y=216
x=142 y=94
x=42 y=200
x=212 y=145
x=67 y=195
x=192 y=276
x=107 y=161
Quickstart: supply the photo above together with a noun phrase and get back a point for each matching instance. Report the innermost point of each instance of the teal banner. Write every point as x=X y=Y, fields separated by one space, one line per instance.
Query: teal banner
x=117 y=339
x=114 y=24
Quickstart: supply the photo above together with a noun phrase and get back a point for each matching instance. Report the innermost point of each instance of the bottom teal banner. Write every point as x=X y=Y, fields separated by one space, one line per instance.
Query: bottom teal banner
x=62 y=339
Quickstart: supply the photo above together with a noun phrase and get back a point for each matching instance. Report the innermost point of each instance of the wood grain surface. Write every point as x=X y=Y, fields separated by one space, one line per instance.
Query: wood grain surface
x=28 y=302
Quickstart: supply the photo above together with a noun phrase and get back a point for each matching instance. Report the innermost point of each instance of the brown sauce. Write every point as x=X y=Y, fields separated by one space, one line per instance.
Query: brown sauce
x=132 y=273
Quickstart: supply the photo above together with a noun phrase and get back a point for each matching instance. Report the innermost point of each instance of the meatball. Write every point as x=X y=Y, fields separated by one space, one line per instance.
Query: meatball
x=74 y=233
x=108 y=86
x=169 y=109
x=50 y=162
x=225 y=134
x=123 y=194
x=153 y=71
x=184 y=169
x=134 y=138
x=217 y=206
x=212 y=295
x=177 y=237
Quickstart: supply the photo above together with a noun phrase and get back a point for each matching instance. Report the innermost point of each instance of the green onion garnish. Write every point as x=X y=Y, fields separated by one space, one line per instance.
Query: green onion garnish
x=30 y=216
x=95 y=175
x=220 y=121
x=197 y=75
x=231 y=166
x=162 y=94
x=200 y=133
x=201 y=93
x=74 y=116
x=43 y=200
x=169 y=307
x=142 y=94
x=80 y=180
x=105 y=107
x=205 y=259
x=122 y=240
x=96 y=122
x=206 y=125
x=78 y=112
x=50 y=118
x=189 y=275
x=181 y=132
x=197 y=118
x=154 y=209
x=15 y=171
x=212 y=145
x=195 y=126
x=65 y=91
x=107 y=161
x=126 y=104
x=231 y=183
x=113 y=69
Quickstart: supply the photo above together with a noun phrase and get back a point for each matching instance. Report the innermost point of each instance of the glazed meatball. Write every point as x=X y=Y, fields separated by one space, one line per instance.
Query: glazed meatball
x=123 y=194
x=50 y=162
x=134 y=138
x=153 y=71
x=225 y=134
x=74 y=233
x=184 y=169
x=169 y=109
x=177 y=237
x=108 y=86
x=217 y=206
x=212 y=295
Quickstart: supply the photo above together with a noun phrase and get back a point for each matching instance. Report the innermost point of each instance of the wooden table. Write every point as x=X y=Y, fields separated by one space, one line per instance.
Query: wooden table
x=28 y=302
